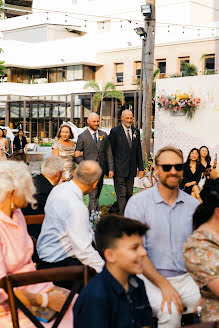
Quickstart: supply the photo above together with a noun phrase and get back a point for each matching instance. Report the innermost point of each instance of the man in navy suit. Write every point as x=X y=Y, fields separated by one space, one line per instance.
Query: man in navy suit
x=127 y=155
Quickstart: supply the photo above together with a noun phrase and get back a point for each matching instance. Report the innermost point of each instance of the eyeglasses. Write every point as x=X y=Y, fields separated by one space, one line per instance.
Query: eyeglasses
x=168 y=167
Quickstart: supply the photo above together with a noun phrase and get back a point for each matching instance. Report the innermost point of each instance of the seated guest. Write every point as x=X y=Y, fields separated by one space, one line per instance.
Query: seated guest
x=65 y=237
x=51 y=171
x=192 y=172
x=16 y=247
x=201 y=250
x=116 y=297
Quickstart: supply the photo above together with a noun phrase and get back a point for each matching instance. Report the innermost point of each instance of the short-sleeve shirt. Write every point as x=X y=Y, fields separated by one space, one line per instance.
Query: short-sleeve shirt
x=201 y=255
x=104 y=303
x=170 y=226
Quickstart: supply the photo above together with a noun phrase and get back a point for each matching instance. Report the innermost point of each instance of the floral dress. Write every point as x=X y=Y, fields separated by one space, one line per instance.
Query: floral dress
x=201 y=255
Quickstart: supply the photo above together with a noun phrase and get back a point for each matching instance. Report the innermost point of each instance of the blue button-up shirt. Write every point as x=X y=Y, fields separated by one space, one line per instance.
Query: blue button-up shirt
x=104 y=303
x=169 y=226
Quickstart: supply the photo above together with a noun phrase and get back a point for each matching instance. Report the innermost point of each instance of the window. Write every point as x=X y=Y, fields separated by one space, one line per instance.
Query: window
x=119 y=73
x=161 y=64
x=89 y=73
x=183 y=60
x=137 y=70
x=209 y=64
x=74 y=73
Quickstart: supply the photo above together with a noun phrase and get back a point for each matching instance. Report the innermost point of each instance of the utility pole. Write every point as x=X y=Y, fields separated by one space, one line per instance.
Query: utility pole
x=148 y=65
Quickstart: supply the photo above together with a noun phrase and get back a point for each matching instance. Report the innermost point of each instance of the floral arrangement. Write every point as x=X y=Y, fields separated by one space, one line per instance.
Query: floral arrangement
x=179 y=102
x=94 y=218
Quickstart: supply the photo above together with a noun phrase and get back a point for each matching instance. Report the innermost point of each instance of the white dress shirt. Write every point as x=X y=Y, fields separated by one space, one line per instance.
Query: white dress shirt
x=127 y=129
x=66 y=230
x=92 y=133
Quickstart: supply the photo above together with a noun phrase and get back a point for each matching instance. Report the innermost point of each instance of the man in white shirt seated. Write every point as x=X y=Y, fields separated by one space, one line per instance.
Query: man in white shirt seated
x=65 y=237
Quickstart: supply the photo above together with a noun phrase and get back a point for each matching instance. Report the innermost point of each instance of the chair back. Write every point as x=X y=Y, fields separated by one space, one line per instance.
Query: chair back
x=79 y=272
x=34 y=219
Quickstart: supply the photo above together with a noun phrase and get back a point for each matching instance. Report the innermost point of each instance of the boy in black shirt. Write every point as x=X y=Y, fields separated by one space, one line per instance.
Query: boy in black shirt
x=116 y=298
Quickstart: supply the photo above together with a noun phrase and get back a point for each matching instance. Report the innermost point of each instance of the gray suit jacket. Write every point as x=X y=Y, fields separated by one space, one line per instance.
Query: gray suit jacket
x=100 y=152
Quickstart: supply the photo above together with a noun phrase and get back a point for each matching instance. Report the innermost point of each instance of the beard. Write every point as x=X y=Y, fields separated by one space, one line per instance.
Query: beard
x=165 y=183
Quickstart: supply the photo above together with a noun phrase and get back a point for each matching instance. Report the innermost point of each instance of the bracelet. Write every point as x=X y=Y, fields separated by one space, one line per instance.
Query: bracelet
x=198 y=196
x=45 y=300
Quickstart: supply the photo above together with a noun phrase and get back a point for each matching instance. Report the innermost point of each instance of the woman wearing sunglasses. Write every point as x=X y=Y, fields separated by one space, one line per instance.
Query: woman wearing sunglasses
x=192 y=172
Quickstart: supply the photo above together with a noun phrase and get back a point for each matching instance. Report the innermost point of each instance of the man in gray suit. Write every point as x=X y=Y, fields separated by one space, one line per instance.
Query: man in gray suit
x=95 y=145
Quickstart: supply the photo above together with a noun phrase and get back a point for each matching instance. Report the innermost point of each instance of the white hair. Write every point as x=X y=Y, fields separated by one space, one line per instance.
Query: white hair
x=88 y=172
x=16 y=176
x=52 y=165
x=126 y=111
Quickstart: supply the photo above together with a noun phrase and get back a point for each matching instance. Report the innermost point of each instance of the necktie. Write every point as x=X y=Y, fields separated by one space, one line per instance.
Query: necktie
x=95 y=137
x=129 y=139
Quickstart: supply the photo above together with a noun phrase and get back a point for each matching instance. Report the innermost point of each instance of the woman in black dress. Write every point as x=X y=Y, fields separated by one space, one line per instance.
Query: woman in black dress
x=192 y=171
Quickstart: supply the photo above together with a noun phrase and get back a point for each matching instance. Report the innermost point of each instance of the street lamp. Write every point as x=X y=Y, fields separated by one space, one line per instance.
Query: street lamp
x=141 y=32
x=143 y=35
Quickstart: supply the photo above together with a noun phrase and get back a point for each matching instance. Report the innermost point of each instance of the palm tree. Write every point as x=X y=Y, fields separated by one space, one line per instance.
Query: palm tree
x=108 y=91
x=3 y=69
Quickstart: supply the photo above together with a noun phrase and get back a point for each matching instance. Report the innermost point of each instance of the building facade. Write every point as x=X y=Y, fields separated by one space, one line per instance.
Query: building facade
x=52 y=53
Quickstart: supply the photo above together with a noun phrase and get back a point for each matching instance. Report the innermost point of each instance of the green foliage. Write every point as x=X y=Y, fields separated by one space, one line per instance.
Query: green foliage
x=93 y=85
x=173 y=76
x=202 y=56
x=3 y=69
x=156 y=72
x=109 y=91
x=188 y=69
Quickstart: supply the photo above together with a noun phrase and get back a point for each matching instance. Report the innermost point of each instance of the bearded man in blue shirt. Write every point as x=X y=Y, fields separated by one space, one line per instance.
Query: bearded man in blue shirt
x=168 y=212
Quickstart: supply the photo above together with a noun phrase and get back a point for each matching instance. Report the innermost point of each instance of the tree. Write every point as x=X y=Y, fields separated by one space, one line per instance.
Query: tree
x=108 y=91
x=188 y=69
x=3 y=69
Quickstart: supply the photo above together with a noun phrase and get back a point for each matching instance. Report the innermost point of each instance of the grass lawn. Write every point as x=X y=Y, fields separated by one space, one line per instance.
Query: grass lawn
x=107 y=196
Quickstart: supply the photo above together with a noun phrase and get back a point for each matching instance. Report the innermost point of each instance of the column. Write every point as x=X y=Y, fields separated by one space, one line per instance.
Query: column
x=7 y=111
x=135 y=108
x=50 y=121
x=25 y=117
x=82 y=116
x=30 y=120
x=116 y=112
x=91 y=104
x=72 y=107
x=112 y=113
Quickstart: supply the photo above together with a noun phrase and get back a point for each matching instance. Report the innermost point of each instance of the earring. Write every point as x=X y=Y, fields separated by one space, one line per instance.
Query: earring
x=12 y=206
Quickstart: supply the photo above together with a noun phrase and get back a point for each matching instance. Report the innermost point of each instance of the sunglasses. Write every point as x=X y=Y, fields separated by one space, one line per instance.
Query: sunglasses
x=168 y=167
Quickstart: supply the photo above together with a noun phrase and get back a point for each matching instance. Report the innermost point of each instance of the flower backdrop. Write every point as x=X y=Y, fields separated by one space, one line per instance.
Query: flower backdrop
x=179 y=102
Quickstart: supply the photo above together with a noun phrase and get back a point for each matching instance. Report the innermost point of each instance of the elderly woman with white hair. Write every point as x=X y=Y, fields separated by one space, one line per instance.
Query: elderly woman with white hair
x=16 y=247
